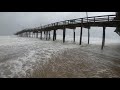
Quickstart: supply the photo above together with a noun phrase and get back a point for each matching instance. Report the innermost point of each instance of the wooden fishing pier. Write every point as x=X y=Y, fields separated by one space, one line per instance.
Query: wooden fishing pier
x=87 y=22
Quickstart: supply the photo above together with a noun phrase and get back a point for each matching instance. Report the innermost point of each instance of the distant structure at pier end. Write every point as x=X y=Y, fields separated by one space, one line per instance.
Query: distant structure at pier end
x=117 y=30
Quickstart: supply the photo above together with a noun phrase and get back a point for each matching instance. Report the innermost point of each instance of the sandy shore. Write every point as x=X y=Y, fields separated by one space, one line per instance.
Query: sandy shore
x=88 y=61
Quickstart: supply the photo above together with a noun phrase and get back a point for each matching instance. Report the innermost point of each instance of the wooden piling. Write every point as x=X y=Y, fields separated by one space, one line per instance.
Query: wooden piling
x=41 y=35
x=55 y=34
x=49 y=34
x=46 y=35
x=74 y=34
x=32 y=34
x=103 y=38
x=88 y=35
x=36 y=34
x=64 y=35
x=29 y=34
x=81 y=35
x=25 y=34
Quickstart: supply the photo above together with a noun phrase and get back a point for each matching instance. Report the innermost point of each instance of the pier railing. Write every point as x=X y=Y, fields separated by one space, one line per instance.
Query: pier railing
x=101 y=21
x=105 y=18
x=93 y=19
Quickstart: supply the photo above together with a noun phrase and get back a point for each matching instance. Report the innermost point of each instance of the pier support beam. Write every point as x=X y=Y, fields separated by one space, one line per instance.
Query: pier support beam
x=41 y=35
x=74 y=35
x=33 y=35
x=88 y=35
x=64 y=30
x=29 y=34
x=36 y=34
x=54 y=35
x=103 y=38
x=46 y=35
x=81 y=35
x=25 y=34
x=49 y=34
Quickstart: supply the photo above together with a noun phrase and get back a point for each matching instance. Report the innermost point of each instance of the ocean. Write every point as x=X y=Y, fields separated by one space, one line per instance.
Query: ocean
x=19 y=55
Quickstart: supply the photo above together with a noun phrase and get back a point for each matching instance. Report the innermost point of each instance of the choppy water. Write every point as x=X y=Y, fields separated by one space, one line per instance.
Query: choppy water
x=19 y=55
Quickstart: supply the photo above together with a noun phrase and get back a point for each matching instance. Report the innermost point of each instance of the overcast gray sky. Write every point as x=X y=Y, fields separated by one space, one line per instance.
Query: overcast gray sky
x=11 y=22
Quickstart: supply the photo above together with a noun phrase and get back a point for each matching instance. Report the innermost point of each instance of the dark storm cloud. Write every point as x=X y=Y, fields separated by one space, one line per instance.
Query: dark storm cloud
x=10 y=22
